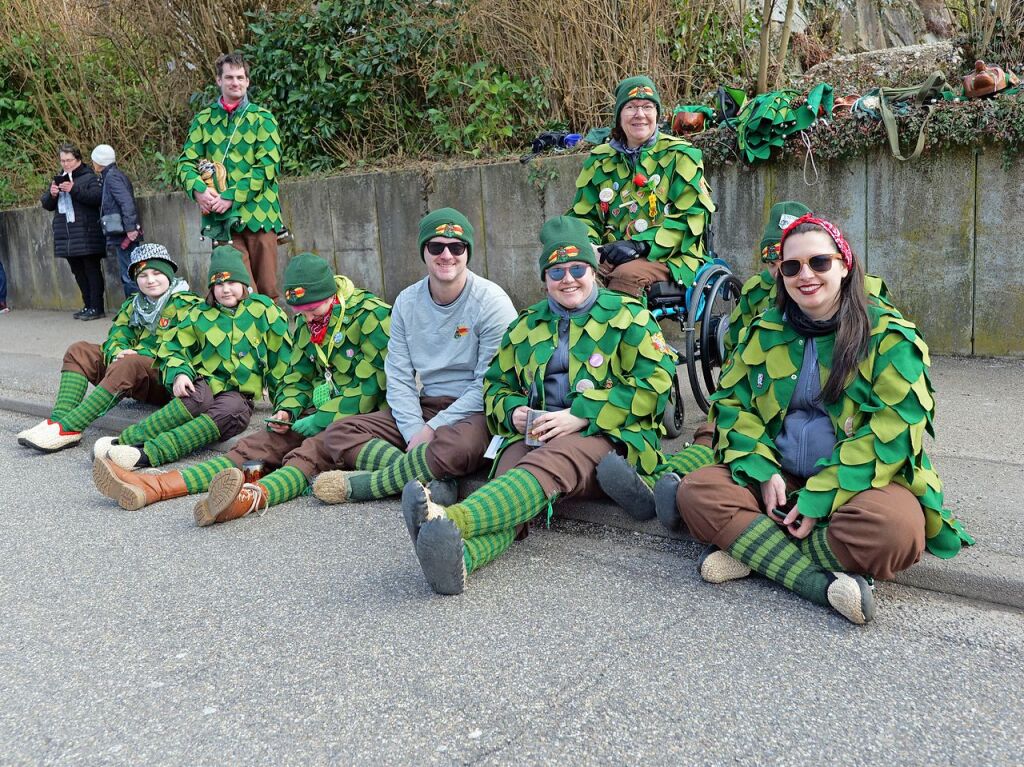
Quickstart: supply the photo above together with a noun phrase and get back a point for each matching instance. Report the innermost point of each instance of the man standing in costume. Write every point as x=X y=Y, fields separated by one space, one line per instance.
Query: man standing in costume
x=229 y=166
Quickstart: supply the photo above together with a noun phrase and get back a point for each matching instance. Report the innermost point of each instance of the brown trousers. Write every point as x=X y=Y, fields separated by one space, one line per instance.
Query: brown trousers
x=634 y=277
x=566 y=466
x=455 y=450
x=289 y=449
x=705 y=435
x=229 y=410
x=131 y=376
x=878 y=532
x=259 y=254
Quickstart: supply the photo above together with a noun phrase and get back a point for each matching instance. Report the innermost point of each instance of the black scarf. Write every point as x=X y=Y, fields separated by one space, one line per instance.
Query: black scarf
x=807 y=327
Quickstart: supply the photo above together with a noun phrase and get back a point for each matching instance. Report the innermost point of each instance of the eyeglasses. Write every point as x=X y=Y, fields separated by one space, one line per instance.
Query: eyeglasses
x=557 y=273
x=455 y=248
x=791 y=267
x=647 y=107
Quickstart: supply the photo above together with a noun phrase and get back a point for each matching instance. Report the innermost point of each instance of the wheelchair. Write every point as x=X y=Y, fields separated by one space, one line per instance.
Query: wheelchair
x=702 y=311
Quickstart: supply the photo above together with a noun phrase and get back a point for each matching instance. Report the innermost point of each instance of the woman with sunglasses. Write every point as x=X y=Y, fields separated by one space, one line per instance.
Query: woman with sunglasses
x=820 y=418
x=643 y=197
x=579 y=374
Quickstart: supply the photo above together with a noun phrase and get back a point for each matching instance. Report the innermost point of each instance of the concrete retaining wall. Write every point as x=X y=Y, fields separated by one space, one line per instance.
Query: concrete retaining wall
x=923 y=226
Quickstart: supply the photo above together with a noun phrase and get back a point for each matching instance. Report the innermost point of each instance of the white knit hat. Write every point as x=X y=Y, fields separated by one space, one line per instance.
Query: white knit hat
x=103 y=155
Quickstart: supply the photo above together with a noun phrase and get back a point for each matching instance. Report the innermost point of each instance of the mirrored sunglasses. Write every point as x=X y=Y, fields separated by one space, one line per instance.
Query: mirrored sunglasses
x=557 y=273
x=437 y=248
x=791 y=267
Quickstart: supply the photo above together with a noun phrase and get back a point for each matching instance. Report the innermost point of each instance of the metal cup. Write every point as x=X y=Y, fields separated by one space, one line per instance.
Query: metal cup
x=532 y=441
x=252 y=471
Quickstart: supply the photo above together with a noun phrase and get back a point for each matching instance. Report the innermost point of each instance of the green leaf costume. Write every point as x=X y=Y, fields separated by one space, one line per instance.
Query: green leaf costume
x=360 y=327
x=759 y=292
x=248 y=143
x=124 y=336
x=880 y=421
x=683 y=204
x=767 y=120
x=241 y=350
x=620 y=372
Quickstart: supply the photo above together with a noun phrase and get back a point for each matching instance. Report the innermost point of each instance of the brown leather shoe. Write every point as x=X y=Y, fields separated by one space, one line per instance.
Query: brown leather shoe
x=134 y=490
x=230 y=497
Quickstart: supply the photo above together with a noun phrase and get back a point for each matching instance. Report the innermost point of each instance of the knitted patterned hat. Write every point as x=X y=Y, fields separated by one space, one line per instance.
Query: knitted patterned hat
x=308 y=279
x=150 y=255
x=782 y=215
x=632 y=88
x=226 y=265
x=447 y=222
x=564 y=239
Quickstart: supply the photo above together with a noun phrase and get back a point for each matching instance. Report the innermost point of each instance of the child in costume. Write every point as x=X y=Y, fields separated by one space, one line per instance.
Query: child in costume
x=336 y=369
x=819 y=483
x=644 y=198
x=588 y=369
x=216 y=361
x=125 y=365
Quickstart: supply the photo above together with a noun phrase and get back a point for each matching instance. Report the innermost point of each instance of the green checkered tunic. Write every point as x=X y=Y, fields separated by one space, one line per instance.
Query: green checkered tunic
x=683 y=204
x=620 y=372
x=239 y=350
x=124 y=336
x=356 y=361
x=760 y=291
x=249 y=145
x=880 y=421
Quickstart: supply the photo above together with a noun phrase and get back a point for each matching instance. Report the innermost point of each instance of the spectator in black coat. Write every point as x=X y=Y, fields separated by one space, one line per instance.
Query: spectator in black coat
x=119 y=202
x=74 y=197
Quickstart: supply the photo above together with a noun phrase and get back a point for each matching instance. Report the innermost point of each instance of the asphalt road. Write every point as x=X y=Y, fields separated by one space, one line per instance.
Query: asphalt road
x=308 y=636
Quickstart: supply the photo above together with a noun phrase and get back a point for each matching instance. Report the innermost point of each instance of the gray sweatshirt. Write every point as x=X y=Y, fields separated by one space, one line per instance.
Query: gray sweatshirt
x=448 y=347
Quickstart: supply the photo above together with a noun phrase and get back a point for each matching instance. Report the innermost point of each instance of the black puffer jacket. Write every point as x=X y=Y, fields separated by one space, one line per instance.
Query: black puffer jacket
x=84 y=237
x=119 y=197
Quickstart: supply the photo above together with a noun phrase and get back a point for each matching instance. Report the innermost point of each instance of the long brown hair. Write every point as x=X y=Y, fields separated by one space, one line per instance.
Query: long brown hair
x=853 y=330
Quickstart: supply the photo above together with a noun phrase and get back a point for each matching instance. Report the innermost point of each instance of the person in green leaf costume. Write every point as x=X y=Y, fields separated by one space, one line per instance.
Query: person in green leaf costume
x=820 y=483
x=229 y=165
x=125 y=365
x=643 y=197
x=445 y=330
x=579 y=374
x=335 y=370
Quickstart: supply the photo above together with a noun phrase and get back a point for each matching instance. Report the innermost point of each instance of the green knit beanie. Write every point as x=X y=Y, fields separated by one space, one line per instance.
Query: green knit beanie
x=563 y=239
x=226 y=265
x=782 y=215
x=447 y=222
x=308 y=279
x=151 y=255
x=632 y=88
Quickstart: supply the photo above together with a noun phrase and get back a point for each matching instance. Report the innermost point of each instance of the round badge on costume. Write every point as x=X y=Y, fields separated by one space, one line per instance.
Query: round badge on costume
x=338 y=336
x=606 y=195
x=655 y=179
x=350 y=353
x=596 y=360
x=585 y=384
x=615 y=186
x=633 y=207
x=641 y=225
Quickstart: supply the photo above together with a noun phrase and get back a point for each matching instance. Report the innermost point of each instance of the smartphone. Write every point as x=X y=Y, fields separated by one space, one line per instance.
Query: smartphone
x=60 y=178
x=277 y=421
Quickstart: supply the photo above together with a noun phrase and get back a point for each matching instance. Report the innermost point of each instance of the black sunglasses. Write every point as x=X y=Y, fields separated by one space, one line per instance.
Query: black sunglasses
x=557 y=273
x=791 y=267
x=437 y=248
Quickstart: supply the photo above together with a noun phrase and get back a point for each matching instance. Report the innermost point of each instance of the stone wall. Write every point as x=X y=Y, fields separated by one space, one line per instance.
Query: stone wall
x=923 y=226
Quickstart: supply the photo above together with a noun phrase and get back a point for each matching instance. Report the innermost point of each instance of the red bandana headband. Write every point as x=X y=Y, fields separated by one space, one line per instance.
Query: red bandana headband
x=828 y=226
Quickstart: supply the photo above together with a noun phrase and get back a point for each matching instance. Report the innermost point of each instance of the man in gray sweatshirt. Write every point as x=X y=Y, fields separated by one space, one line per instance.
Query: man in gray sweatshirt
x=444 y=331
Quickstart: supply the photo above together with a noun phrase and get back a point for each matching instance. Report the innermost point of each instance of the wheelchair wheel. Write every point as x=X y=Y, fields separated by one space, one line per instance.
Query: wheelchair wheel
x=710 y=322
x=674 y=413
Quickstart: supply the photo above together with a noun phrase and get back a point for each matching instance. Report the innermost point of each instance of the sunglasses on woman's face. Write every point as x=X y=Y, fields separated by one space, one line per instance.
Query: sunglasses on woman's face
x=557 y=273
x=437 y=248
x=791 y=267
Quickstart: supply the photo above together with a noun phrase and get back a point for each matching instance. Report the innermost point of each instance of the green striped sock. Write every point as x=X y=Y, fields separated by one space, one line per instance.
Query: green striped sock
x=182 y=441
x=480 y=550
x=815 y=547
x=70 y=393
x=377 y=454
x=504 y=502
x=391 y=480
x=688 y=460
x=92 y=407
x=170 y=416
x=284 y=484
x=197 y=478
x=763 y=547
